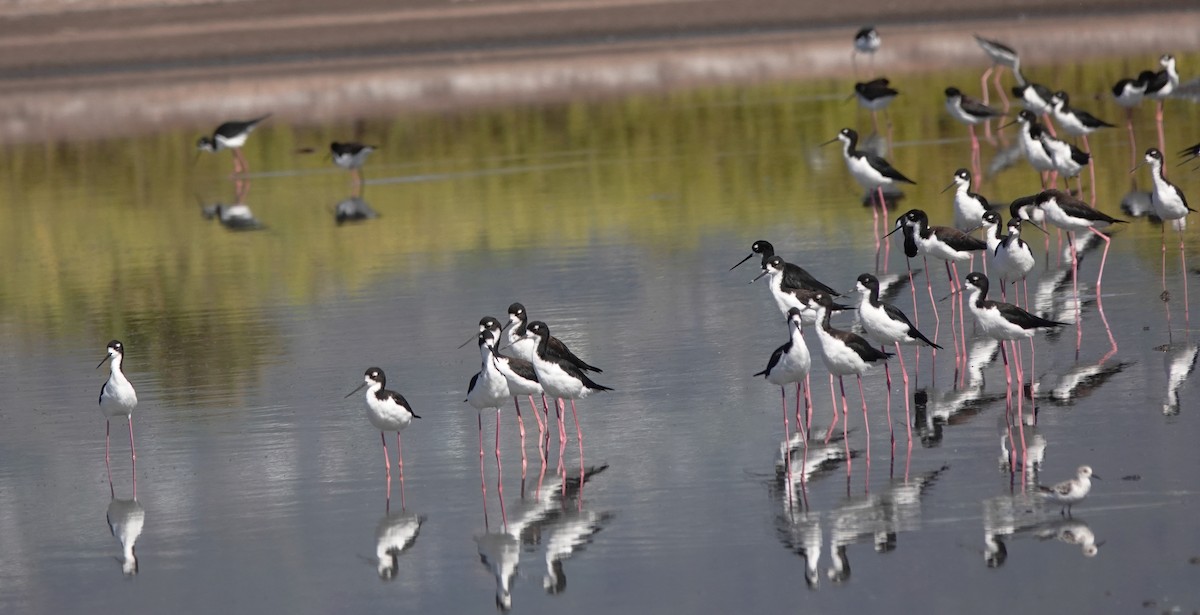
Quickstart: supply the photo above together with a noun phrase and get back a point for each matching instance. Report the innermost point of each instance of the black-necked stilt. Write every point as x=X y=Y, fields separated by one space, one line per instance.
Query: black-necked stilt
x=350 y=156
x=787 y=298
x=1033 y=96
x=872 y=172
x=387 y=411
x=1032 y=146
x=991 y=223
x=875 y=96
x=117 y=398
x=1025 y=208
x=560 y=378
x=794 y=276
x=1077 y=123
x=970 y=112
x=236 y=217
x=1070 y=491
x=488 y=389
x=231 y=135
x=998 y=320
x=969 y=207
x=522 y=380
x=790 y=364
x=353 y=209
x=1159 y=87
x=1002 y=56
x=1005 y=322
x=524 y=347
x=1071 y=214
x=1012 y=259
x=949 y=245
x=887 y=324
x=845 y=353
x=1068 y=160
x=1129 y=93
x=867 y=41
x=126 y=518
x=1170 y=205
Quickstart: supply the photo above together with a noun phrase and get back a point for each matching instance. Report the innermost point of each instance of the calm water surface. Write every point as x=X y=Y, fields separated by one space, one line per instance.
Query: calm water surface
x=260 y=487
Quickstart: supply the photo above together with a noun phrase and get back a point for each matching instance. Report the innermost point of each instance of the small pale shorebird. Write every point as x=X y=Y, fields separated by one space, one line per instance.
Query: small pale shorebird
x=1070 y=491
x=387 y=411
x=232 y=136
x=117 y=398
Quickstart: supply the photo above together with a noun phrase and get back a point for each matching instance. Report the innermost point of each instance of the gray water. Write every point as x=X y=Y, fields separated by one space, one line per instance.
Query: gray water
x=616 y=223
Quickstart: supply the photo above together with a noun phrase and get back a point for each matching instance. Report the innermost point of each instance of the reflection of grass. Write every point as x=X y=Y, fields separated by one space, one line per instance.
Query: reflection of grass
x=106 y=238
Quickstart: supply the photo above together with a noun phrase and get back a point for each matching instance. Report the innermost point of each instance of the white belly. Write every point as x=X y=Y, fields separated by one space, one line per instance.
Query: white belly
x=118 y=398
x=491 y=389
x=993 y=325
x=879 y=327
x=792 y=367
x=556 y=382
x=385 y=415
x=839 y=359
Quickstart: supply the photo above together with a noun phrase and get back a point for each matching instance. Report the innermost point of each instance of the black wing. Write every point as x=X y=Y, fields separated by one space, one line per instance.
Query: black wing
x=471 y=385
x=575 y=372
x=795 y=276
x=560 y=349
x=1023 y=319
x=1091 y=121
x=237 y=127
x=886 y=169
x=521 y=367
x=959 y=240
x=895 y=314
x=774 y=360
x=976 y=108
x=860 y=346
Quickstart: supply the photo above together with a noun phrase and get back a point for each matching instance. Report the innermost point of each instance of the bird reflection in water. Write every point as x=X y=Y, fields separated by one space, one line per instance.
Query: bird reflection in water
x=529 y=519
x=395 y=534
x=936 y=407
x=1180 y=361
x=353 y=209
x=879 y=518
x=125 y=520
x=1020 y=516
x=236 y=217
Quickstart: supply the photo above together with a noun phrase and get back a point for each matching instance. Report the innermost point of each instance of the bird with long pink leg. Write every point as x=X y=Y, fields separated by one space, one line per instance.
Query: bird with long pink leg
x=388 y=411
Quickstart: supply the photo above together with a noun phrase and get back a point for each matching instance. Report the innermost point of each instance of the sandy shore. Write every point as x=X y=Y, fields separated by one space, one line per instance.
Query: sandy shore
x=144 y=66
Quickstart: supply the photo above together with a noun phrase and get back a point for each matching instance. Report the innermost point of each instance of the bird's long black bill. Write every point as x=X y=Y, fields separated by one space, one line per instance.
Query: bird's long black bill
x=833 y=140
x=106 y=357
x=892 y=232
x=469 y=340
x=360 y=387
x=739 y=263
x=764 y=272
x=952 y=184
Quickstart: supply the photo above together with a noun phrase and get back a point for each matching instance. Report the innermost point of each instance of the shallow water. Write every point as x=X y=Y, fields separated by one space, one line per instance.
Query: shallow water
x=615 y=222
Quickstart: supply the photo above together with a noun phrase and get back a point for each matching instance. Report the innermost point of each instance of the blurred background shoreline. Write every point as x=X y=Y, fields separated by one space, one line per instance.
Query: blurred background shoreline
x=87 y=70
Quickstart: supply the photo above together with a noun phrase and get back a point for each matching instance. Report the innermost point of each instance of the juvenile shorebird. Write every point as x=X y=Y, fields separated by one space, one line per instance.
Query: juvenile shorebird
x=1070 y=491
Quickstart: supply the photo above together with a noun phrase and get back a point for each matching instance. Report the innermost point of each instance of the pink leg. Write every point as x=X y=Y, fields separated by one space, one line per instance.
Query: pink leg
x=400 y=463
x=958 y=356
x=1103 y=258
x=962 y=327
x=983 y=86
x=1020 y=405
x=787 y=444
x=1133 y=156
x=562 y=434
x=546 y=416
x=579 y=439
x=866 y=423
x=937 y=319
x=1000 y=90
x=801 y=428
x=521 y=428
x=499 y=472
x=887 y=247
x=807 y=426
x=1158 y=121
x=541 y=429
x=976 y=160
x=907 y=394
x=846 y=427
x=808 y=408
x=1091 y=169
x=482 y=476
x=887 y=372
x=1075 y=286
x=1187 y=316
x=832 y=398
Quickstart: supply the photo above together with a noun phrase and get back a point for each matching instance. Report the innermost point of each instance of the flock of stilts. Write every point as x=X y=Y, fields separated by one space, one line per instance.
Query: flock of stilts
x=539 y=364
